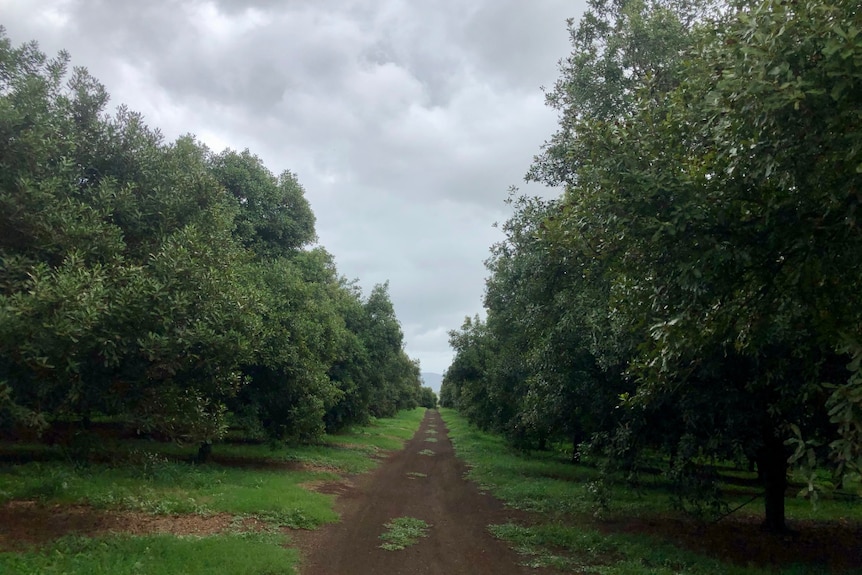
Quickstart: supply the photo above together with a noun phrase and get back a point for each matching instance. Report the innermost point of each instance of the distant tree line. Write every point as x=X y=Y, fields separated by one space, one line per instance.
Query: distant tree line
x=695 y=291
x=169 y=286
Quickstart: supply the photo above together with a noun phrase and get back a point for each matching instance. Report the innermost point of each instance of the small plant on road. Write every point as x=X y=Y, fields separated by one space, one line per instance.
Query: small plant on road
x=426 y=452
x=431 y=439
x=415 y=474
x=403 y=531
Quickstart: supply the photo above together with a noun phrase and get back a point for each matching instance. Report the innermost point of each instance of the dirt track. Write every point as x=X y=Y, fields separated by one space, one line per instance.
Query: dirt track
x=458 y=541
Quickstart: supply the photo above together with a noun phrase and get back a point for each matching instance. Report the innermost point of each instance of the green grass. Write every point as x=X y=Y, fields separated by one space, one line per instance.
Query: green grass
x=537 y=483
x=427 y=452
x=174 y=488
x=238 y=554
x=566 y=535
x=416 y=474
x=403 y=532
x=381 y=434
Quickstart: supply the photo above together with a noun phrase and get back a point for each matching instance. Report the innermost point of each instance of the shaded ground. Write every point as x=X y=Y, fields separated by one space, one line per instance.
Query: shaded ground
x=835 y=545
x=426 y=486
x=25 y=523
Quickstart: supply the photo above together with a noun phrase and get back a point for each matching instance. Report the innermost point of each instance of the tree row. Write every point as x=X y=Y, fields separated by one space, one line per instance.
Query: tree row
x=694 y=293
x=164 y=285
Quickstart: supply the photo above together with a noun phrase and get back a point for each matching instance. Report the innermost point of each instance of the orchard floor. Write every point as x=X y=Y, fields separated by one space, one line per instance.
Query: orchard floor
x=424 y=481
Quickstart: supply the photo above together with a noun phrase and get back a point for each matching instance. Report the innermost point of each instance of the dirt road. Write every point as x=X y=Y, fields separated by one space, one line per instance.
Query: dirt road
x=426 y=486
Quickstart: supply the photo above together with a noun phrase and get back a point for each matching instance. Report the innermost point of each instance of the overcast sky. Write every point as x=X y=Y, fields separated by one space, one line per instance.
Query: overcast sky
x=406 y=121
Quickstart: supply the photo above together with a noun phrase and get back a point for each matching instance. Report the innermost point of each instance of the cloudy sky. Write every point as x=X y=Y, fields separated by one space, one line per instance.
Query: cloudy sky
x=405 y=120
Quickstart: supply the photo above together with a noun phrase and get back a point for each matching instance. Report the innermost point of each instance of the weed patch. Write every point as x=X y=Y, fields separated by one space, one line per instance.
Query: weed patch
x=427 y=452
x=402 y=532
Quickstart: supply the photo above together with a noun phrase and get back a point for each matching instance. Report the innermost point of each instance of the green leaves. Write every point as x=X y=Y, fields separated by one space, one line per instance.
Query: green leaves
x=273 y=216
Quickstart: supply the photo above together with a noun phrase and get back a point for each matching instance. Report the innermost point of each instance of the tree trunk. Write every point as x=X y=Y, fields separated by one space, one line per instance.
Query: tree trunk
x=204 y=451
x=543 y=443
x=576 y=444
x=772 y=467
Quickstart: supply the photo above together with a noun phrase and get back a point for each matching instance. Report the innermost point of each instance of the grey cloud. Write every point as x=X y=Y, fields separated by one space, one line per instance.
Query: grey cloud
x=512 y=40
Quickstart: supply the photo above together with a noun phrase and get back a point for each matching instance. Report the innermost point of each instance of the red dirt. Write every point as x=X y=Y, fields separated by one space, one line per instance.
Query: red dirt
x=25 y=523
x=458 y=541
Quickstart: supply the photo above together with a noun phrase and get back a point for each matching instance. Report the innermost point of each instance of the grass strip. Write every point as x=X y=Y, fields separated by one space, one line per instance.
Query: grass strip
x=176 y=488
x=246 y=554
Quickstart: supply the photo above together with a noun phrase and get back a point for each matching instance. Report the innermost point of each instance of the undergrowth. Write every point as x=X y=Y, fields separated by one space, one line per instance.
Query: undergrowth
x=567 y=535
